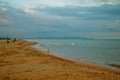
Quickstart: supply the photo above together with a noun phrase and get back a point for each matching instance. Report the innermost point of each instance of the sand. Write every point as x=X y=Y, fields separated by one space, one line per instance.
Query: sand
x=19 y=61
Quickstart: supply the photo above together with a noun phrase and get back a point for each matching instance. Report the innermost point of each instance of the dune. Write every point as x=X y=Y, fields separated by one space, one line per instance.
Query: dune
x=19 y=61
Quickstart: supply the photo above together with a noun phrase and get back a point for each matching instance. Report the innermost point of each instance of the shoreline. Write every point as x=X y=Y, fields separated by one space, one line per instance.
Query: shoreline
x=106 y=65
x=103 y=65
x=20 y=59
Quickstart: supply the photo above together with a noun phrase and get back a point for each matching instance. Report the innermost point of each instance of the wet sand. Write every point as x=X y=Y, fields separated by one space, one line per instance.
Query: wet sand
x=19 y=61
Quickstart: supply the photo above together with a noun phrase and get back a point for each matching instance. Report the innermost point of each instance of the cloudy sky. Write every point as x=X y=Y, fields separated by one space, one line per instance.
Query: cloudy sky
x=46 y=18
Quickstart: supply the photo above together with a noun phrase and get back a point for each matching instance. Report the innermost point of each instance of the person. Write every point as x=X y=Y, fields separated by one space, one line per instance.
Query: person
x=14 y=40
x=8 y=40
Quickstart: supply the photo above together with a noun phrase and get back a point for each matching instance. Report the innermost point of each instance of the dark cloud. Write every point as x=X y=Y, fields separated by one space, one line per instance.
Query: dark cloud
x=23 y=24
x=103 y=12
x=59 y=21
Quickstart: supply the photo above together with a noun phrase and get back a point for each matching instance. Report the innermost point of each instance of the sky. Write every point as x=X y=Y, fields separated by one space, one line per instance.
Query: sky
x=60 y=18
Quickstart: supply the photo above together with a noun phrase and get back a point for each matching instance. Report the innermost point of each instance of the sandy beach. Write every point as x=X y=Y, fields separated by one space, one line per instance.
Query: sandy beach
x=19 y=61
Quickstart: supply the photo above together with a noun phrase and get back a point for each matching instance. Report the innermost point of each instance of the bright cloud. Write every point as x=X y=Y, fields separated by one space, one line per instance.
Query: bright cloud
x=30 y=11
x=2 y=9
x=114 y=1
x=59 y=3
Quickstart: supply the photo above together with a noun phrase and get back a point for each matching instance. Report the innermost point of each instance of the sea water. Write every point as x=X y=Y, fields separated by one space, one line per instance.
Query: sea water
x=100 y=51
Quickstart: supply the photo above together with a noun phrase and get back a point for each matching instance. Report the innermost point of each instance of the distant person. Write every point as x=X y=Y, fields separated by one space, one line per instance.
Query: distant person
x=14 y=40
x=8 y=40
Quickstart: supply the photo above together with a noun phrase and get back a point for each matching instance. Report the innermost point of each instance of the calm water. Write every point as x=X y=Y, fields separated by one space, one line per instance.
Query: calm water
x=100 y=51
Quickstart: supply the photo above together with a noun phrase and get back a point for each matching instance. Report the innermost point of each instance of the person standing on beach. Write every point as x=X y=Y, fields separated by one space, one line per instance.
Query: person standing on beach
x=14 y=40
x=7 y=39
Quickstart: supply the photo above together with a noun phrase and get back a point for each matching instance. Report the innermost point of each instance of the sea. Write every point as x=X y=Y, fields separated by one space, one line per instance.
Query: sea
x=105 y=51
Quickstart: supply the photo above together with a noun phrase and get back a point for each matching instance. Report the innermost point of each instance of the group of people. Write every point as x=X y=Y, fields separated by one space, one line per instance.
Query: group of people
x=8 y=40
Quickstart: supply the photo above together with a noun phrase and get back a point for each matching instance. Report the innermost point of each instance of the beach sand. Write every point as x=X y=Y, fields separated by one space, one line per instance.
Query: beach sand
x=19 y=61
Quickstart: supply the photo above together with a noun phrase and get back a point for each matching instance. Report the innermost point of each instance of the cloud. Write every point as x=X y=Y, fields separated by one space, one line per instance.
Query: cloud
x=54 y=3
x=61 y=3
x=41 y=6
x=4 y=21
x=2 y=9
x=114 y=1
x=104 y=12
x=80 y=3
x=59 y=17
x=30 y=11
